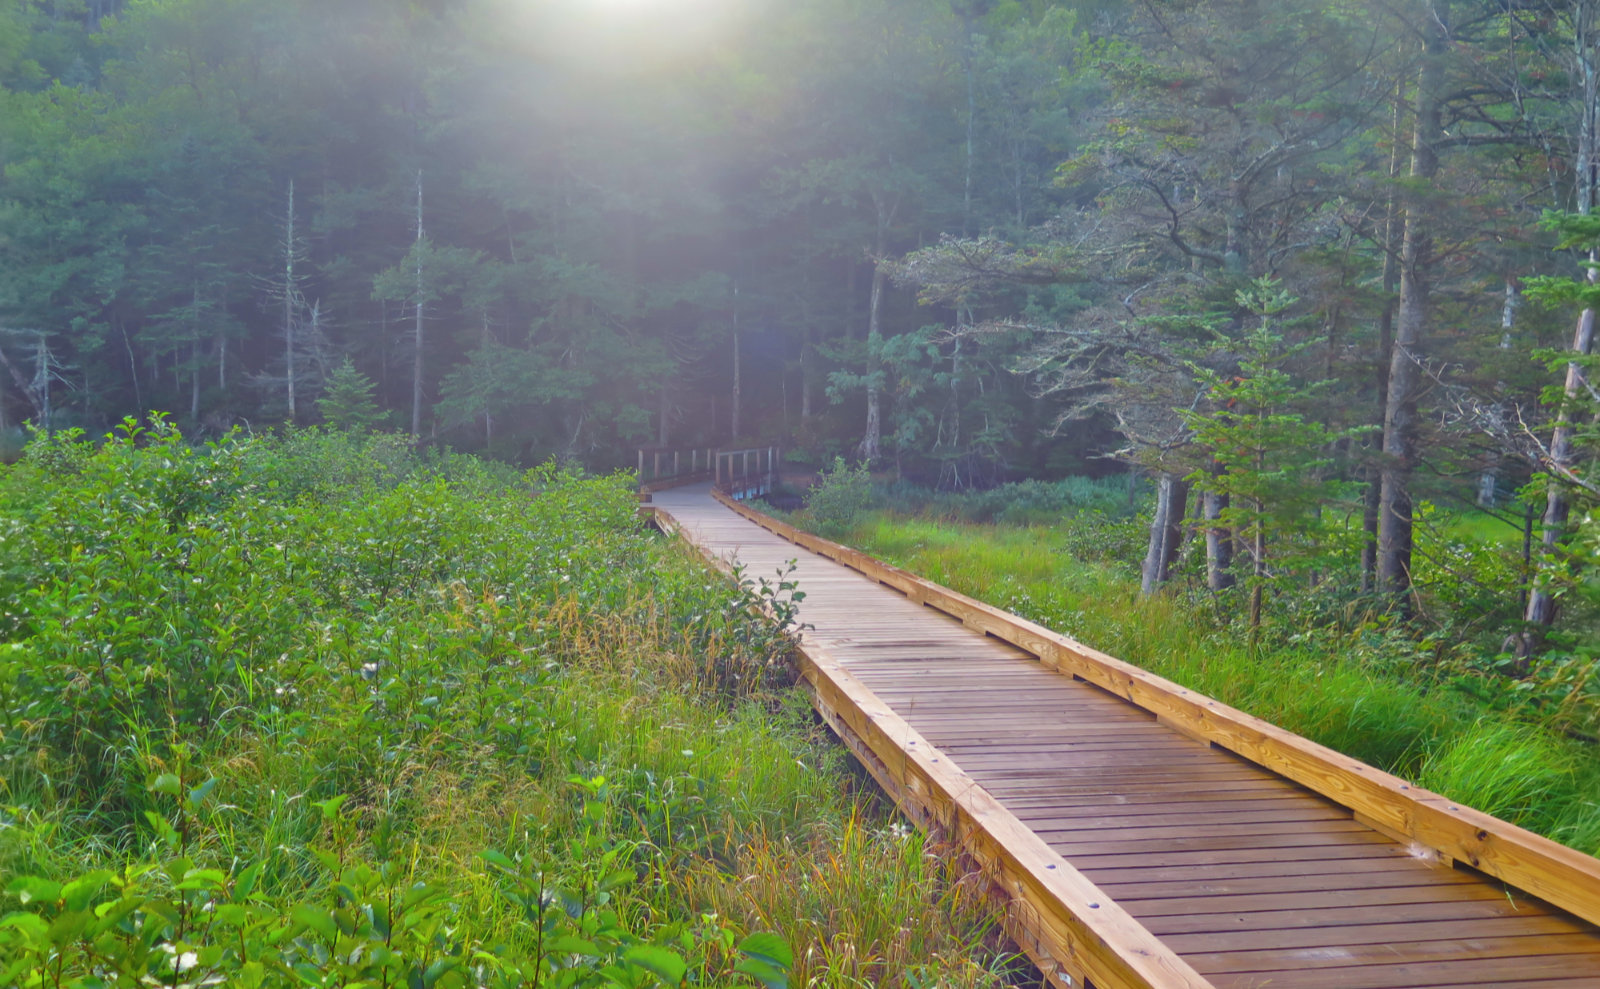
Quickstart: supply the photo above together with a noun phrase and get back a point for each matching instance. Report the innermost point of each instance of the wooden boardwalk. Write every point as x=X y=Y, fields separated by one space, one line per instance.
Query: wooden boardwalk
x=1133 y=847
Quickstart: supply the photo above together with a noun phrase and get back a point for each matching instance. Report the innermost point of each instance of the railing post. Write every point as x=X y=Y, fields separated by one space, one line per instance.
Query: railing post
x=641 y=465
x=676 y=470
x=719 y=469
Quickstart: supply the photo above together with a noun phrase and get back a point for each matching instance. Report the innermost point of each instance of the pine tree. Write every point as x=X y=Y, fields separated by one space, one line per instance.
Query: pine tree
x=347 y=401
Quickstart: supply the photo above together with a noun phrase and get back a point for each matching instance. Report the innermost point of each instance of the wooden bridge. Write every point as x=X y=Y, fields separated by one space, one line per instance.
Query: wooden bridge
x=1143 y=835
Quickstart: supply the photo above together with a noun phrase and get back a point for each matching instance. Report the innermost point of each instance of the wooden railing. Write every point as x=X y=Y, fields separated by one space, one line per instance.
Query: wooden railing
x=739 y=474
x=658 y=464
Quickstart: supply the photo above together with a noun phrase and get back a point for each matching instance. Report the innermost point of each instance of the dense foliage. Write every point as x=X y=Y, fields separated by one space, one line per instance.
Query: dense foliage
x=314 y=710
x=978 y=240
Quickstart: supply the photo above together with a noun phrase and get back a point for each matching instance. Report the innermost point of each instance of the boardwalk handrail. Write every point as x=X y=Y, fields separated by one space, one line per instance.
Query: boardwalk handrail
x=741 y=473
x=662 y=464
x=1553 y=872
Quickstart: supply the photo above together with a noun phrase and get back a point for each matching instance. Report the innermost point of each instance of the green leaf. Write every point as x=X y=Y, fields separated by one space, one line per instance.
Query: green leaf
x=663 y=964
x=438 y=969
x=203 y=879
x=769 y=948
x=80 y=891
x=572 y=946
x=621 y=877
x=31 y=889
x=767 y=959
x=166 y=783
x=246 y=884
x=199 y=793
x=763 y=972
x=498 y=859
x=30 y=924
x=330 y=807
x=318 y=920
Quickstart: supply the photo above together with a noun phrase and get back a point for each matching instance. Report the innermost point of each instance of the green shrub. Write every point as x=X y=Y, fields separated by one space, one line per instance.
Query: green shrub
x=840 y=496
x=314 y=709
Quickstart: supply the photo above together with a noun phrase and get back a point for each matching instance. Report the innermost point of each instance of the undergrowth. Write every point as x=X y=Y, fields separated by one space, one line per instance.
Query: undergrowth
x=311 y=710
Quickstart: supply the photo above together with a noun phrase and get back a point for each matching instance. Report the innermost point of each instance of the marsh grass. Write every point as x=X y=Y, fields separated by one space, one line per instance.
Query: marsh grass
x=1363 y=692
x=310 y=711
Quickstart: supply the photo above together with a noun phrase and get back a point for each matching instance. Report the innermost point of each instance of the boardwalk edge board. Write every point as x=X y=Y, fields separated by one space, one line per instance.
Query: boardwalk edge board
x=1438 y=827
x=1070 y=928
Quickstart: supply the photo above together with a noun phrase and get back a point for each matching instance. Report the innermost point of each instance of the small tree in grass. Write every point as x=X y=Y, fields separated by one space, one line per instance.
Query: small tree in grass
x=842 y=493
x=1270 y=459
x=347 y=401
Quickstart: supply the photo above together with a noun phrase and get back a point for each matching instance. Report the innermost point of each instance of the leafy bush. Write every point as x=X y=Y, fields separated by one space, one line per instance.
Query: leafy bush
x=311 y=709
x=1029 y=502
x=840 y=496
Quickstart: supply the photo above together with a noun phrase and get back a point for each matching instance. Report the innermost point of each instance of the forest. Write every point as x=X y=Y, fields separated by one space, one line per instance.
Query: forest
x=1320 y=271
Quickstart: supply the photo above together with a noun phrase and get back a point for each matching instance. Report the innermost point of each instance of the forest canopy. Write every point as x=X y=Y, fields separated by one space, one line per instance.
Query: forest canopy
x=1285 y=256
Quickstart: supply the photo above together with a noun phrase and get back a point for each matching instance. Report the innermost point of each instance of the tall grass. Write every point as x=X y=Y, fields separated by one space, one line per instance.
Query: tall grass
x=313 y=711
x=1362 y=692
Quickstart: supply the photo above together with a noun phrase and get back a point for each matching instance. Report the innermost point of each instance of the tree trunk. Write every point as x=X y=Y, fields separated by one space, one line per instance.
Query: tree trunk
x=1541 y=611
x=1258 y=566
x=807 y=359
x=1391 y=247
x=1219 y=542
x=44 y=370
x=738 y=386
x=194 y=380
x=871 y=439
x=133 y=365
x=289 y=303
x=417 y=333
x=666 y=410
x=1166 y=532
x=1488 y=481
x=972 y=116
x=1405 y=371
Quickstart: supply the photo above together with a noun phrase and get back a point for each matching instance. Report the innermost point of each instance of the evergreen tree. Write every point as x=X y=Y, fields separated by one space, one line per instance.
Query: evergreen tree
x=347 y=402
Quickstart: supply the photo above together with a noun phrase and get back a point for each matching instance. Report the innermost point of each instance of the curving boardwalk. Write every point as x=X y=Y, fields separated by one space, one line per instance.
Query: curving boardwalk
x=1135 y=850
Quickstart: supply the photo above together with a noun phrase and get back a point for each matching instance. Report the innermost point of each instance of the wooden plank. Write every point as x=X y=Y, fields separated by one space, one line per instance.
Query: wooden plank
x=1177 y=800
x=1098 y=860
x=1561 y=875
x=1462 y=972
x=1154 y=785
x=1111 y=947
x=1198 y=816
x=1353 y=869
x=1283 y=920
x=1387 y=952
x=1342 y=936
x=1172 y=833
x=1223 y=882
x=1102 y=845
x=1203 y=904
